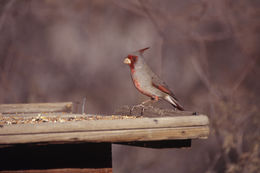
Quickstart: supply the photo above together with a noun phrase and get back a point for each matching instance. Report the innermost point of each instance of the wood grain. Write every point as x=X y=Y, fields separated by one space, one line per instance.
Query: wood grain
x=36 y=107
x=151 y=111
x=106 y=125
x=176 y=125
x=110 y=135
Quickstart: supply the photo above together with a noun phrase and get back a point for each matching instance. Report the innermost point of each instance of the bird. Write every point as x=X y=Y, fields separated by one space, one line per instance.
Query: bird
x=147 y=82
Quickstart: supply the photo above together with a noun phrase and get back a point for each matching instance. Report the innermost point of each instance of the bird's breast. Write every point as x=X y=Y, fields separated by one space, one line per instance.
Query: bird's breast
x=143 y=82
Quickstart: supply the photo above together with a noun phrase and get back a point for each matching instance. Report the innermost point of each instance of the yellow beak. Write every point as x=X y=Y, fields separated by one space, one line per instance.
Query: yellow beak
x=127 y=61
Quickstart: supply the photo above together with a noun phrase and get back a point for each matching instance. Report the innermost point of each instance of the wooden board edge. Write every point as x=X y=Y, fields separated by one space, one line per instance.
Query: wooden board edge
x=199 y=132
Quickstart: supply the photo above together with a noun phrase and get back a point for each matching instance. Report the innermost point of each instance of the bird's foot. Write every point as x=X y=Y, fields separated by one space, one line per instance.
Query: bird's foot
x=146 y=103
x=136 y=106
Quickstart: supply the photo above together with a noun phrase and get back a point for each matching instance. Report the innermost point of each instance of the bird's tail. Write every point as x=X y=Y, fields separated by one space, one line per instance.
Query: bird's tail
x=174 y=102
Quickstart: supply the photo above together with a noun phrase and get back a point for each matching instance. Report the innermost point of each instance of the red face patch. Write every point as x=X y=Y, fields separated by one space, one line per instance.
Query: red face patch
x=133 y=60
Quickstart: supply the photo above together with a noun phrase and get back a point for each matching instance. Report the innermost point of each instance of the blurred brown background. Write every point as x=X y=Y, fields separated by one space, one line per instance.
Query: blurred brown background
x=207 y=51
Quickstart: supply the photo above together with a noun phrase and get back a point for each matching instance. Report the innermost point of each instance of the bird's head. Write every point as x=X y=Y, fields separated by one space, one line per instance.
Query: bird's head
x=132 y=59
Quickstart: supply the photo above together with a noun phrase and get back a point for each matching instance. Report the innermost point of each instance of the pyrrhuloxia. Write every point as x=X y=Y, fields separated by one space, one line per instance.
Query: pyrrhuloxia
x=147 y=82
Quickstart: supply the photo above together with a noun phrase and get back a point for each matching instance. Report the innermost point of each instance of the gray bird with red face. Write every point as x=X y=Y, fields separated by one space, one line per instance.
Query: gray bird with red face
x=147 y=82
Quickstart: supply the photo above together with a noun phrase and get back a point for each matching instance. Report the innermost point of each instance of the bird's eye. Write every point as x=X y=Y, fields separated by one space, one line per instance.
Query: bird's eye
x=133 y=58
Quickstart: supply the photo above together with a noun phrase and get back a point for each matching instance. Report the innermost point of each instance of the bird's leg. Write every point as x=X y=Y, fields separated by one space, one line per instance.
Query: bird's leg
x=146 y=101
x=152 y=100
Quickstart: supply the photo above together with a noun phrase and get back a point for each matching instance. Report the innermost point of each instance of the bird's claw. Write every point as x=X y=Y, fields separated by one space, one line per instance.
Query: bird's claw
x=140 y=105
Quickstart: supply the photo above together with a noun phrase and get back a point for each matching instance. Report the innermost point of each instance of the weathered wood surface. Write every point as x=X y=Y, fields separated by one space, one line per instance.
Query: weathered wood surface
x=151 y=111
x=121 y=130
x=110 y=136
x=162 y=124
x=107 y=125
x=36 y=107
x=46 y=114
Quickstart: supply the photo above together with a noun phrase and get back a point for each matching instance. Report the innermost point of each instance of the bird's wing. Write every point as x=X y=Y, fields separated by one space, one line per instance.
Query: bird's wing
x=161 y=85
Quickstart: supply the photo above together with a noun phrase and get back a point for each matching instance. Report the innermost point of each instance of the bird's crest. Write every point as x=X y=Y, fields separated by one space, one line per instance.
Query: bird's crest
x=141 y=51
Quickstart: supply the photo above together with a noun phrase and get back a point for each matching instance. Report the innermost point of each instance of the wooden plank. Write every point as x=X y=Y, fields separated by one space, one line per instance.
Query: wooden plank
x=48 y=114
x=172 y=133
x=151 y=111
x=36 y=107
x=106 y=125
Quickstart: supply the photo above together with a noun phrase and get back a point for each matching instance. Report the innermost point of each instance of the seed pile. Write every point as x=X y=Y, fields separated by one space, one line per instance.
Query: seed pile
x=42 y=118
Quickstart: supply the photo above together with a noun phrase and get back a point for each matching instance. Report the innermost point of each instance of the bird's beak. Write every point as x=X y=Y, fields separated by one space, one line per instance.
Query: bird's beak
x=127 y=61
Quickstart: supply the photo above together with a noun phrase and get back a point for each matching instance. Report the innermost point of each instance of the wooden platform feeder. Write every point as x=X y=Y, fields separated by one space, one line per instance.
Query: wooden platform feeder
x=49 y=137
